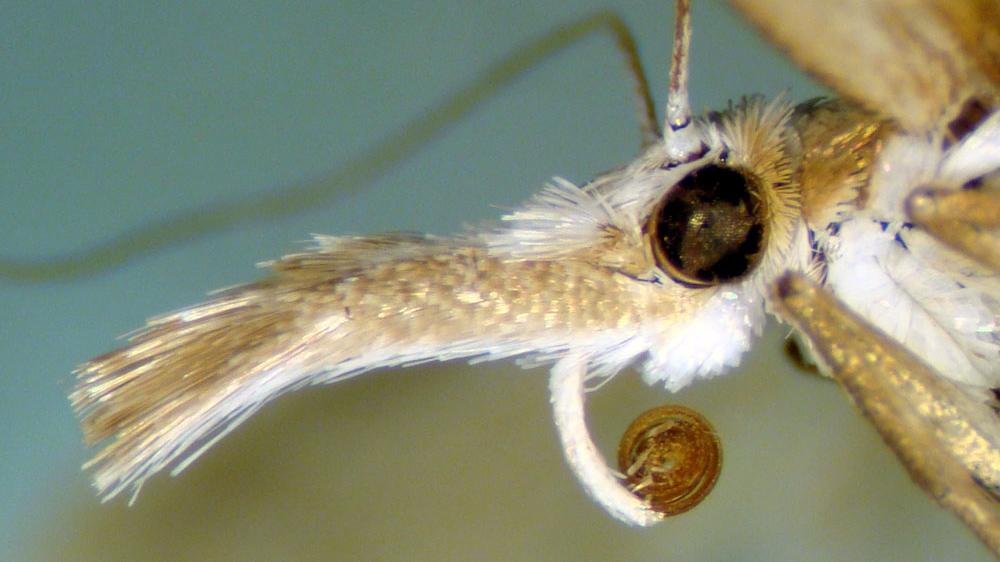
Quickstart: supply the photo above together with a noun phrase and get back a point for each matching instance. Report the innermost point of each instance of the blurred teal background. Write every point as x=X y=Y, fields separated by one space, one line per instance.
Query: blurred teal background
x=113 y=114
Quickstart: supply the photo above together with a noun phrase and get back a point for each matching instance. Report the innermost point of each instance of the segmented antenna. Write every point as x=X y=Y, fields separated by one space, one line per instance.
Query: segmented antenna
x=682 y=142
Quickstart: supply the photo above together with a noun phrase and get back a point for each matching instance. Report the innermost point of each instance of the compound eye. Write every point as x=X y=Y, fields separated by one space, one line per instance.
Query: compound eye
x=711 y=227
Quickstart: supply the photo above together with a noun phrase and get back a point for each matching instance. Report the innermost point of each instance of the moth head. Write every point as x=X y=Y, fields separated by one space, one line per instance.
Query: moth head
x=718 y=233
x=713 y=220
x=730 y=214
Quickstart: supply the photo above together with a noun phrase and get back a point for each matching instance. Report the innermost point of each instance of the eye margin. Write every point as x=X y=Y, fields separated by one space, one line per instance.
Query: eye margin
x=711 y=228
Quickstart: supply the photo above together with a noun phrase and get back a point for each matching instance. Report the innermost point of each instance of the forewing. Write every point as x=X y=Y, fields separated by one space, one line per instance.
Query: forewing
x=920 y=62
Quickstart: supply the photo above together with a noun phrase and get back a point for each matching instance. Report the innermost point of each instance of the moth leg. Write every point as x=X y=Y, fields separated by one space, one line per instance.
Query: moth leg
x=945 y=437
x=968 y=220
x=601 y=483
x=966 y=216
x=797 y=353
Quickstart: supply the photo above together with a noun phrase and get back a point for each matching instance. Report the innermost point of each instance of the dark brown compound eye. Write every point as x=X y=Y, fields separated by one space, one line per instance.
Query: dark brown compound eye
x=710 y=228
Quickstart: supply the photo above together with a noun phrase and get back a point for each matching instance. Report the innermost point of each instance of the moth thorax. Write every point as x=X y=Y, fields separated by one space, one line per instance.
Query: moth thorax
x=711 y=227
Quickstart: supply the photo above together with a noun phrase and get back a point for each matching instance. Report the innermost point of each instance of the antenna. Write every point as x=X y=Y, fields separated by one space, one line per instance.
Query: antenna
x=681 y=141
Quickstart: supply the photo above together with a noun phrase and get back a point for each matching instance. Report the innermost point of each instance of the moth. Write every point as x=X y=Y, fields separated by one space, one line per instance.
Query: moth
x=590 y=278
